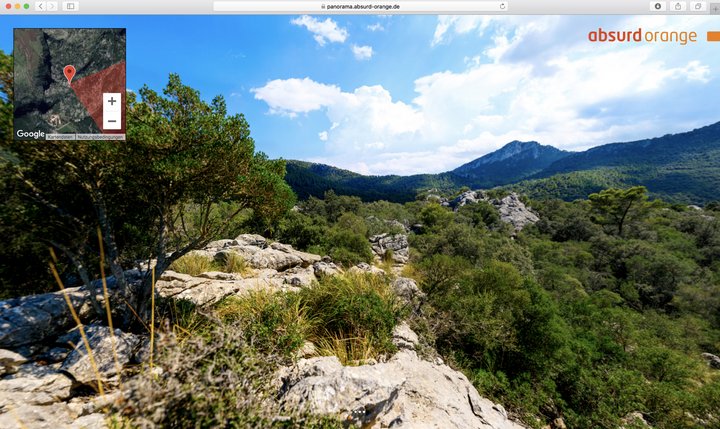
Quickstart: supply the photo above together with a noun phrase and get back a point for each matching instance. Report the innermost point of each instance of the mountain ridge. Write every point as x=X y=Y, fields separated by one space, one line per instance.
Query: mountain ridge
x=681 y=167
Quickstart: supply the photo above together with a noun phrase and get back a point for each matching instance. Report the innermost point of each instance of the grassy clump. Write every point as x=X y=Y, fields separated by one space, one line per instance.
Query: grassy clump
x=234 y=263
x=349 y=316
x=272 y=322
x=218 y=381
x=355 y=315
x=195 y=263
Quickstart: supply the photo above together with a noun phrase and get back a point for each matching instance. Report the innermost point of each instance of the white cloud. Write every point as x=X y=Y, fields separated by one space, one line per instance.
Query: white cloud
x=323 y=31
x=362 y=52
x=375 y=27
x=460 y=25
x=292 y=96
x=513 y=89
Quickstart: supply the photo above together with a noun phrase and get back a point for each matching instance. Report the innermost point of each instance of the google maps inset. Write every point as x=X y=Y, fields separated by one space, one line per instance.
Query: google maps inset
x=69 y=84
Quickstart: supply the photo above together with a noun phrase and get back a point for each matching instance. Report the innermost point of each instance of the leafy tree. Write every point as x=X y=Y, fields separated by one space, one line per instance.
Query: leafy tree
x=615 y=206
x=434 y=215
x=182 y=154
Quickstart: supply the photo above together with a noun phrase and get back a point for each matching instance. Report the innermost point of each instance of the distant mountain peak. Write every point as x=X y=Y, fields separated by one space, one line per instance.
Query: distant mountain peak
x=518 y=158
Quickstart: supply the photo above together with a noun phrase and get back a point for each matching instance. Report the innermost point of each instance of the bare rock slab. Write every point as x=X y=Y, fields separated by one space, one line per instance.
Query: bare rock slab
x=405 y=392
x=79 y=365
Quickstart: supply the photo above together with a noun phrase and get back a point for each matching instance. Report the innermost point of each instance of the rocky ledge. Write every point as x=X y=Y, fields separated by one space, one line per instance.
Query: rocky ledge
x=404 y=392
x=510 y=208
x=47 y=377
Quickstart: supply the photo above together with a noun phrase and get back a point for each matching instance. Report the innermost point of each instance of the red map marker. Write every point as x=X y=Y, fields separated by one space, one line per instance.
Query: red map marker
x=69 y=72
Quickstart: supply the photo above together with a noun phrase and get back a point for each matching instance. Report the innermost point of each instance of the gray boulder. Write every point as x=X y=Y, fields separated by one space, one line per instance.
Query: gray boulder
x=404 y=337
x=404 y=392
x=514 y=212
x=33 y=319
x=398 y=243
x=251 y=240
x=79 y=365
x=365 y=268
x=712 y=360
x=33 y=384
x=323 y=268
x=9 y=361
x=468 y=197
x=79 y=413
x=198 y=290
x=408 y=291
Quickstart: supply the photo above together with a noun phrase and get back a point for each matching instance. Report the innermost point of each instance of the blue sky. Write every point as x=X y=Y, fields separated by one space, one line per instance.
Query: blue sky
x=411 y=94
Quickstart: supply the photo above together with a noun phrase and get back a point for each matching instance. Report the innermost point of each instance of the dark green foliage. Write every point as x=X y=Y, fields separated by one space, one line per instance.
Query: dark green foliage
x=354 y=306
x=301 y=230
x=186 y=174
x=577 y=317
x=616 y=207
x=348 y=248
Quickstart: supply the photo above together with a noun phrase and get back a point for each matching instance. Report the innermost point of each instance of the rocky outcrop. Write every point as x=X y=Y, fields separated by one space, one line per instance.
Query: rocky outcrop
x=9 y=361
x=33 y=319
x=467 y=197
x=397 y=244
x=510 y=208
x=326 y=268
x=514 y=212
x=34 y=398
x=408 y=291
x=274 y=266
x=110 y=353
x=404 y=392
x=365 y=268
x=260 y=254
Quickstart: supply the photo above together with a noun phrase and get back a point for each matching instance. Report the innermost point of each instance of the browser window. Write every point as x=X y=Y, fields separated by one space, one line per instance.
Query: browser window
x=360 y=213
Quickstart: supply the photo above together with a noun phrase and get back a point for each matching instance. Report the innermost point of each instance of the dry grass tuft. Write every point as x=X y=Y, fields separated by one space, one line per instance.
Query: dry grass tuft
x=193 y=264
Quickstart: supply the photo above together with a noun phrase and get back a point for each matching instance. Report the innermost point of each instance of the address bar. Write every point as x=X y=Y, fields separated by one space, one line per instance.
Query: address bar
x=359 y=7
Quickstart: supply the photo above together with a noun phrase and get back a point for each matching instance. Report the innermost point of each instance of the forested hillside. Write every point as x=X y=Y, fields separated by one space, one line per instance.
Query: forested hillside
x=681 y=167
x=597 y=314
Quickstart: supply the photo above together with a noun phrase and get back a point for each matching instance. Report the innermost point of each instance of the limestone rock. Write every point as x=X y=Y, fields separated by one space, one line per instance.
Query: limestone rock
x=33 y=384
x=408 y=291
x=634 y=420
x=198 y=290
x=79 y=365
x=404 y=392
x=251 y=240
x=398 y=243
x=33 y=319
x=219 y=275
x=404 y=337
x=468 y=197
x=366 y=268
x=510 y=208
x=9 y=361
x=712 y=360
x=323 y=268
x=514 y=212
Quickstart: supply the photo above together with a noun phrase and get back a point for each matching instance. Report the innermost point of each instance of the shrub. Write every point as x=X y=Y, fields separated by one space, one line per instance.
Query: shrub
x=359 y=309
x=349 y=248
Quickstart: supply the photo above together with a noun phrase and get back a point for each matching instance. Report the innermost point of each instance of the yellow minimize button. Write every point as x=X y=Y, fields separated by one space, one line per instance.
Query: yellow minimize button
x=713 y=36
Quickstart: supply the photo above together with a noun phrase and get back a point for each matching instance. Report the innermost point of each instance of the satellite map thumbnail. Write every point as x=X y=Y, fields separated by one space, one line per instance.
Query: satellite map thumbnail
x=69 y=83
